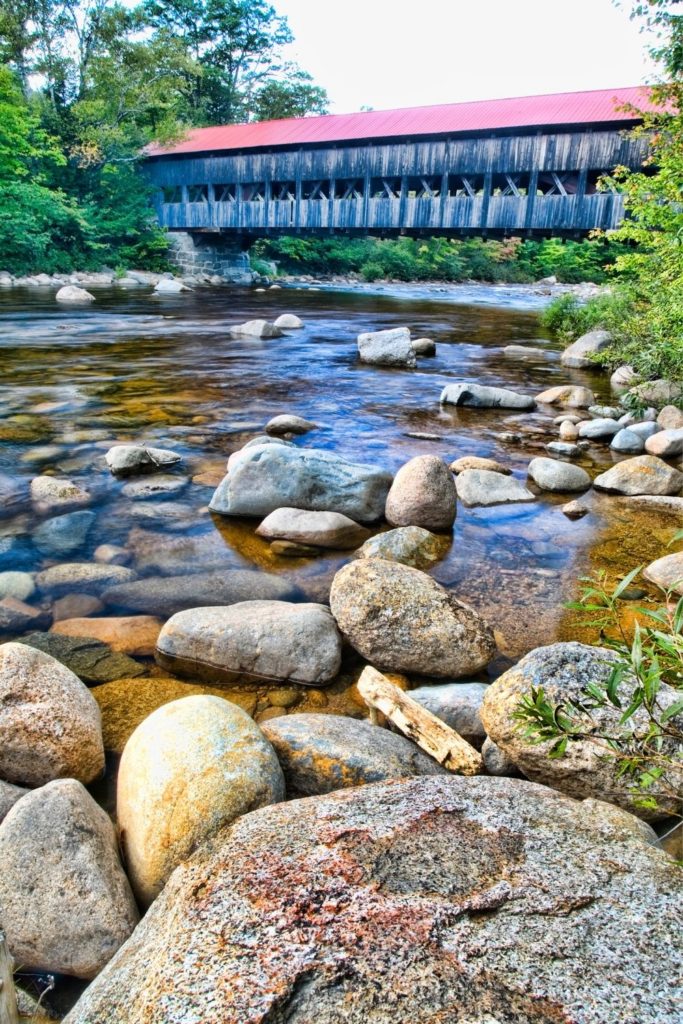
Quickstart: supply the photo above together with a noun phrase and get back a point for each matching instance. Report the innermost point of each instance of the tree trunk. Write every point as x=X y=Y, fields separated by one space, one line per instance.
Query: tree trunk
x=436 y=738
x=8 y=1000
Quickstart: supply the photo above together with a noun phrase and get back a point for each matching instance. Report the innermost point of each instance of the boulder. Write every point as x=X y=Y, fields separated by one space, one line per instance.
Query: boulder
x=90 y=659
x=495 y=761
x=166 y=595
x=482 y=487
x=476 y=462
x=645 y=429
x=644 y=474
x=49 y=722
x=553 y=475
x=71 y=577
x=273 y=476
x=65 y=903
x=124 y=459
x=579 y=353
x=568 y=431
x=423 y=347
x=286 y=424
x=410 y=545
x=622 y=378
x=563 y=670
x=187 y=771
x=456 y=704
x=422 y=494
x=321 y=529
x=54 y=494
x=256 y=329
x=256 y=442
x=423 y=900
x=573 y=396
x=657 y=392
x=169 y=286
x=131 y=634
x=321 y=753
x=62 y=535
x=667 y=572
x=665 y=443
x=253 y=640
x=524 y=352
x=9 y=795
x=125 y=703
x=598 y=429
x=288 y=321
x=628 y=442
x=19 y=585
x=480 y=396
x=564 y=449
x=670 y=418
x=70 y=293
x=402 y=620
x=387 y=348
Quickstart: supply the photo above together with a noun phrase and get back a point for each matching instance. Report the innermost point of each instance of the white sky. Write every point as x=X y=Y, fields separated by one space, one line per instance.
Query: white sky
x=394 y=53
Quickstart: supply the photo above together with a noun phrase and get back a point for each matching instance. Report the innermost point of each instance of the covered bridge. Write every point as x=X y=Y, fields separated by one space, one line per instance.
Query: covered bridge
x=527 y=166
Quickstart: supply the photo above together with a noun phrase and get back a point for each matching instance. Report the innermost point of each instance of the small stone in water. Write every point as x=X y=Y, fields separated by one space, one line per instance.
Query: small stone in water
x=290 y=549
x=574 y=510
x=286 y=424
x=111 y=554
x=19 y=585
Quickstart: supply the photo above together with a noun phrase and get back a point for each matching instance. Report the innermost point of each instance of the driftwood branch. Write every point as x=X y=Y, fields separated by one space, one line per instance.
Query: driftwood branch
x=8 y=1000
x=436 y=738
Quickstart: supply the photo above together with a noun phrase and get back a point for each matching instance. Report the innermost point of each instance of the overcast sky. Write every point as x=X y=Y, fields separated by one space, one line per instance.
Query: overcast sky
x=394 y=53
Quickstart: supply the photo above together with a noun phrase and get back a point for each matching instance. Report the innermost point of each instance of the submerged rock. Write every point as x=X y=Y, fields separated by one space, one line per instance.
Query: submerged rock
x=321 y=753
x=411 y=545
x=480 y=396
x=65 y=902
x=253 y=640
x=482 y=487
x=433 y=899
x=55 y=494
x=644 y=474
x=387 y=348
x=87 y=657
x=166 y=595
x=402 y=620
x=321 y=529
x=586 y=769
x=130 y=634
x=49 y=722
x=476 y=462
x=123 y=459
x=422 y=494
x=256 y=329
x=274 y=476
x=70 y=577
x=62 y=535
x=19 y=585
x=187 y=771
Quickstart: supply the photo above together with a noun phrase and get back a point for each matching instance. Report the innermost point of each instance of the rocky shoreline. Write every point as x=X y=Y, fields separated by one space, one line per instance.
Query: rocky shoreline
x=307 y=866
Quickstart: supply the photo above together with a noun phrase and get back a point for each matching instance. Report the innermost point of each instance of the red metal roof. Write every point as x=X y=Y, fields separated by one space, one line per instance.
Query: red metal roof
x=565 y=108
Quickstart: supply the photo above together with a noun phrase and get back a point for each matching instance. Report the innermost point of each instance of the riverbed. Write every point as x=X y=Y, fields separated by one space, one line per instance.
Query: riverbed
x=163 y=370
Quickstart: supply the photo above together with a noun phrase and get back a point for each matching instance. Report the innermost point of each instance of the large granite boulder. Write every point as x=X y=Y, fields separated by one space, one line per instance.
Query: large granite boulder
x=188 y=770
x=65 y=902
x=321 y=529
x=579 y=354
x=49 y=722
x=644 y=474
x=71 y=294
x=422 y=494
x=387 y=348
x=476 y=900
x=166 y=595
x=265 y=478
x=402 y=620
x=321 y=753
x=563 y=670
x=253 y=640
x=481 y=396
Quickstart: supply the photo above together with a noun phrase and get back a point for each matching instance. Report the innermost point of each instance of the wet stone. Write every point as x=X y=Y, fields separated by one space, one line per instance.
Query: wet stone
x=89 y=659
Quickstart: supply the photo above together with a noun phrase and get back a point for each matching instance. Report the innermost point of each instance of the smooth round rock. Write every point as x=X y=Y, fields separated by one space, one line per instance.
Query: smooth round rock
x=579 y=354
x=253 y=640
x=667 y=572
x=572 y=396
x=553 y=475
x=50 y=724
x=321 y=753
x=568 y=431
x=55 y=494
x=598 y=429
x=19 y=585
x=476 y=462
x=644 y=474
x=476 y=900
x=287 y=424
x=482 y=487
x=126 y=634
x=287 y=321
x=496 y=762
x=320 y=529
x=422 y=494
x=628 y=442
x=189 y=769
x=70 y=577
x=410 y=545
x=586 y=770
x=481 y=396
x=423 y=346
x=665 y=443
x=563 y=449
x=63 y=535
x=670 y=418
x=134 y=458
x=402 y=620
x=65 y=902
x=70 y=293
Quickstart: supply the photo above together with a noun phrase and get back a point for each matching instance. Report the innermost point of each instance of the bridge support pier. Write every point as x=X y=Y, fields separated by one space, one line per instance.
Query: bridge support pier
x=200 y=252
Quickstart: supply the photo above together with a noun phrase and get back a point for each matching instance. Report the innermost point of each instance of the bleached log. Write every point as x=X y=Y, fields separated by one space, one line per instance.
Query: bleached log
x=8 y=1000
x=436 y=738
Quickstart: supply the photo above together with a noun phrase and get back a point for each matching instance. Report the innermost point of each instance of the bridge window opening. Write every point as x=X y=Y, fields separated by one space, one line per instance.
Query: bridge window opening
x=554 y=183
x=172 y=194
x=224 y=193
x=349 y=189
x=465 y=187
x=595 y=182
x=385 y=188
x=428 y=187
x=198 y=194
x=283 y=190
x=510 y=185
x=312 y=190
x=254 y=192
